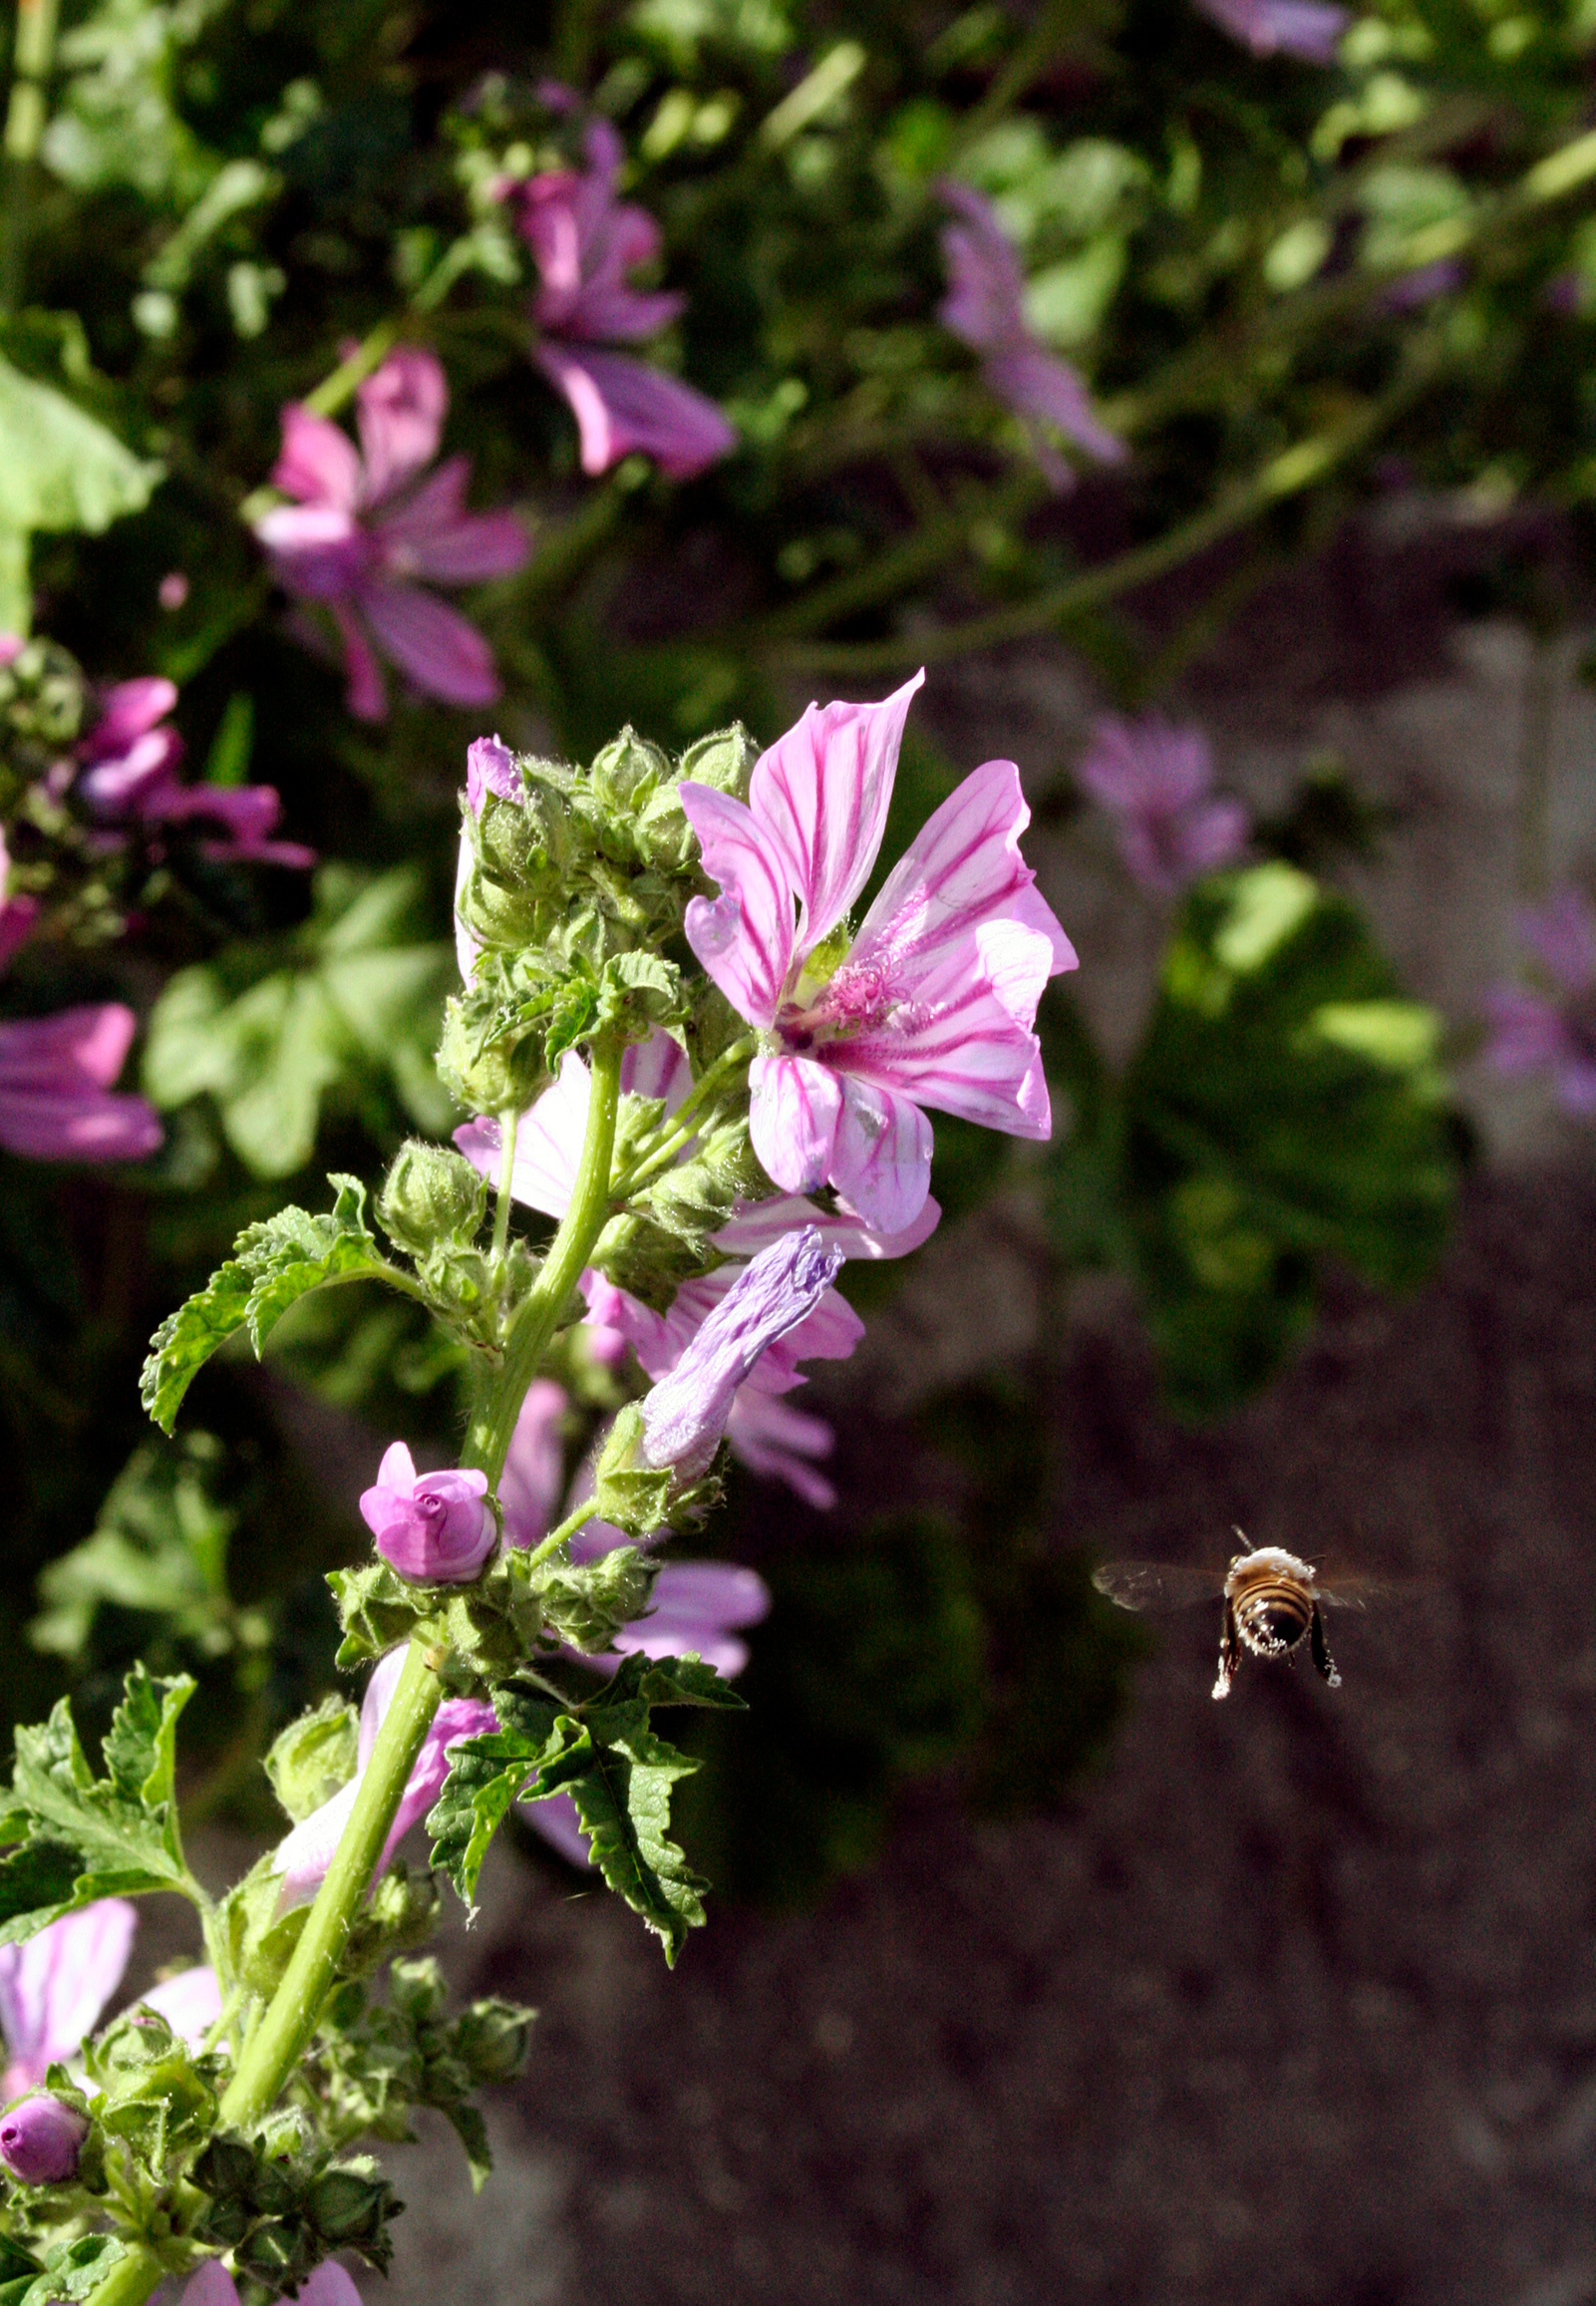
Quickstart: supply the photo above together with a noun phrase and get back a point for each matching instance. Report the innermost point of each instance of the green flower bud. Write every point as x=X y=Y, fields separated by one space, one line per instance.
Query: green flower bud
x=279 y=2251
x=419 y=1991
x=493 y=2040
x=431 y=1195
x=723 y=758
x=349 y=2208
x=498 y=1075
x=402 y=1911
x=627 y=770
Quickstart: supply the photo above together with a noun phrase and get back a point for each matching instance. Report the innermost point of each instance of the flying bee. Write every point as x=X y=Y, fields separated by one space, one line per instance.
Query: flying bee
x=1273 y=1603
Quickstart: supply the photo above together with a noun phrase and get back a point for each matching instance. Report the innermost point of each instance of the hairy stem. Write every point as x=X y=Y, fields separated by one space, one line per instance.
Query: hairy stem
x=509 y=1123
x=500 y=1402
x=279 y=2040
x=567 y=1528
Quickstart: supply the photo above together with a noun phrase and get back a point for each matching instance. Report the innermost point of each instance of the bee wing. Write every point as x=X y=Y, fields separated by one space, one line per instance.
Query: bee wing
x=1356 y=1591
x=1156 y=1585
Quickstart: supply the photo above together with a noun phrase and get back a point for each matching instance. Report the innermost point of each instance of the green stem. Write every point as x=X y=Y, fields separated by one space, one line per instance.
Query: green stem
x=556 y=1538
x=1285 y=476
x=32 y=55
x=509 y=1123
x=499 y=1404
x=279 y=2040
x=352 y=370
x=683 y=1122
x=130 y=2281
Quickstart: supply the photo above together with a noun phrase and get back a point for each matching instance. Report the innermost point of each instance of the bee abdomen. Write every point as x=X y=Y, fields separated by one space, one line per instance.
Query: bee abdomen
x=1273 y=1616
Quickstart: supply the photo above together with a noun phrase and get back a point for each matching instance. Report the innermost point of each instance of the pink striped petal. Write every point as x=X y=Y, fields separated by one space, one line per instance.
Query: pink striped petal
x=55 y=1984
x=822 y=794
x=882 y=1160
x=755 y=1228
x=792 y=1119
x=962 y=868
x=548 y=1141
x=434 y=648
x=742 y=937
x=967 y=1056
x=772 y=1438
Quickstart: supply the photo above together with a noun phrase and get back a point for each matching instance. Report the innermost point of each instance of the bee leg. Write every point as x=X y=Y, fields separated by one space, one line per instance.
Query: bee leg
x=1230 y=1651
x=1321 y=1649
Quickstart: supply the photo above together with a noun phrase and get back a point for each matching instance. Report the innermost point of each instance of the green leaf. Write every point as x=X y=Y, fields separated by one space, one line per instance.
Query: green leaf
x=272 y=1266
x=614 y=1766
x=161 y=1549
x=314 y=1757
x=73 y=2271
x=1285 y=1108
x=62 y=469
x=81 y=1838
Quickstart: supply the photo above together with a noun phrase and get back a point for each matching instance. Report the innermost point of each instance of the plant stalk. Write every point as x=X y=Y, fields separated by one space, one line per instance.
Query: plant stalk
x=500 y=1402
x=279 y=2040
x=32 y=55
x=130 y=2281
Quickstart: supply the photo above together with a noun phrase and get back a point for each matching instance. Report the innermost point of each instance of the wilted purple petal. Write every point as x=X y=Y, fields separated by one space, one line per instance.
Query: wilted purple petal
x=685 y=1415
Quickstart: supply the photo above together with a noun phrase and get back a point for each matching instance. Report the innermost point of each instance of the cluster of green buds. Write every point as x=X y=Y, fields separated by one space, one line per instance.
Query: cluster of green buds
x=43 y=702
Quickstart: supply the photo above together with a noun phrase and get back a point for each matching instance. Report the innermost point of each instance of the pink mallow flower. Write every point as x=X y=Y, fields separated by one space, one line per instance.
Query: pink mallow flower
x=1155 y=782
x=128 y=774
x=985 y=306
x=1310 y=30
x=56 y=1100
x=433 y=1528
x=767 y=1434
x=1554 y=1030
x=366 y=524
x=933 y=1001
x=586 y=243
x=303 y=1856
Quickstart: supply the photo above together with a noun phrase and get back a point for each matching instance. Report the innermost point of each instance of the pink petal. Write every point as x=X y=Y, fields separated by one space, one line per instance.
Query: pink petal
x=399 y=409
x=820 y=794
x=742 y=937
x=1145 y=767
x=365 y=693
x=530 y=1485
x=555 y=1818
x=430 y=534
x=209 y=2285
x=657 y=1067
x=397 y=1469
x=434 y=648
x=962 y=868
x=319 y=464
x=882 y=1160
x=129 y=710
x=55 y=1984
x=75 y=1045
x=753 y=1229
x=548 y=1141
x=773 y=1438
x=968 y=1055
x=1562 y=936
x=1307 y=29
x=984 y=305
x=619 y=405
x=330 y=2285
x=792 y=1121
x=1036 y=383
x=1526 y=1030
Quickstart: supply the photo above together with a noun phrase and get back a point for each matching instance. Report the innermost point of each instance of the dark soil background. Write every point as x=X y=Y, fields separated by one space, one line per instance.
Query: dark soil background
x=1293 y=2001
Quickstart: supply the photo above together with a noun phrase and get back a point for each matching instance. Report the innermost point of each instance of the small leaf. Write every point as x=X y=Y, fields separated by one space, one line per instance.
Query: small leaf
x=273 y=1265
x=62 y=469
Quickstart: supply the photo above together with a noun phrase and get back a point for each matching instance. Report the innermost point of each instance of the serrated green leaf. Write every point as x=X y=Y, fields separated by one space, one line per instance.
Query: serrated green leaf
x=75 y=2271
x=314 y=1757
x=622 y=1791
x=273 y=1265
x=84 y=1838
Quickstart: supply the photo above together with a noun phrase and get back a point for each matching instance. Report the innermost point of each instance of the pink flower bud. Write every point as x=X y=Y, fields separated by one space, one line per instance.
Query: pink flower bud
x=490 y=768
x=435 y=1528
x=40 y=2139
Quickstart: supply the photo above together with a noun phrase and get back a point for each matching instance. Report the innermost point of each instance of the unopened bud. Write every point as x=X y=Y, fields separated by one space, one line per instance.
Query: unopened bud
x=492 y=2040
x=628 y=770
x=431 y=1195
x=723 y=758
x=41 y=2138
x=347 y=2207
x=435 y=1527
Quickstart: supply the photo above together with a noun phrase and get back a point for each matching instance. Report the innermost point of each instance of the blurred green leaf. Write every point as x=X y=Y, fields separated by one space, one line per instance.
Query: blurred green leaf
x=60 y=468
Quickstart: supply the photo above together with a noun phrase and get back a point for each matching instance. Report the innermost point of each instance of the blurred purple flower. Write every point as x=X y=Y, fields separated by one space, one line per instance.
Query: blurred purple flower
x=985 y=306
x=1308 y=29
x=53 y=1985
x=41 y=2138
x=1555 y=1033
x=534 y=1466
x=1412 y=291
x=436 y=1527
x=365 y=524
x=1155 y=782
x=128 y=774
x=303 y=1856
x=55 y=1101
x=933 y=1003
x=173 y=591
x=18 y=914
x=586 y=243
